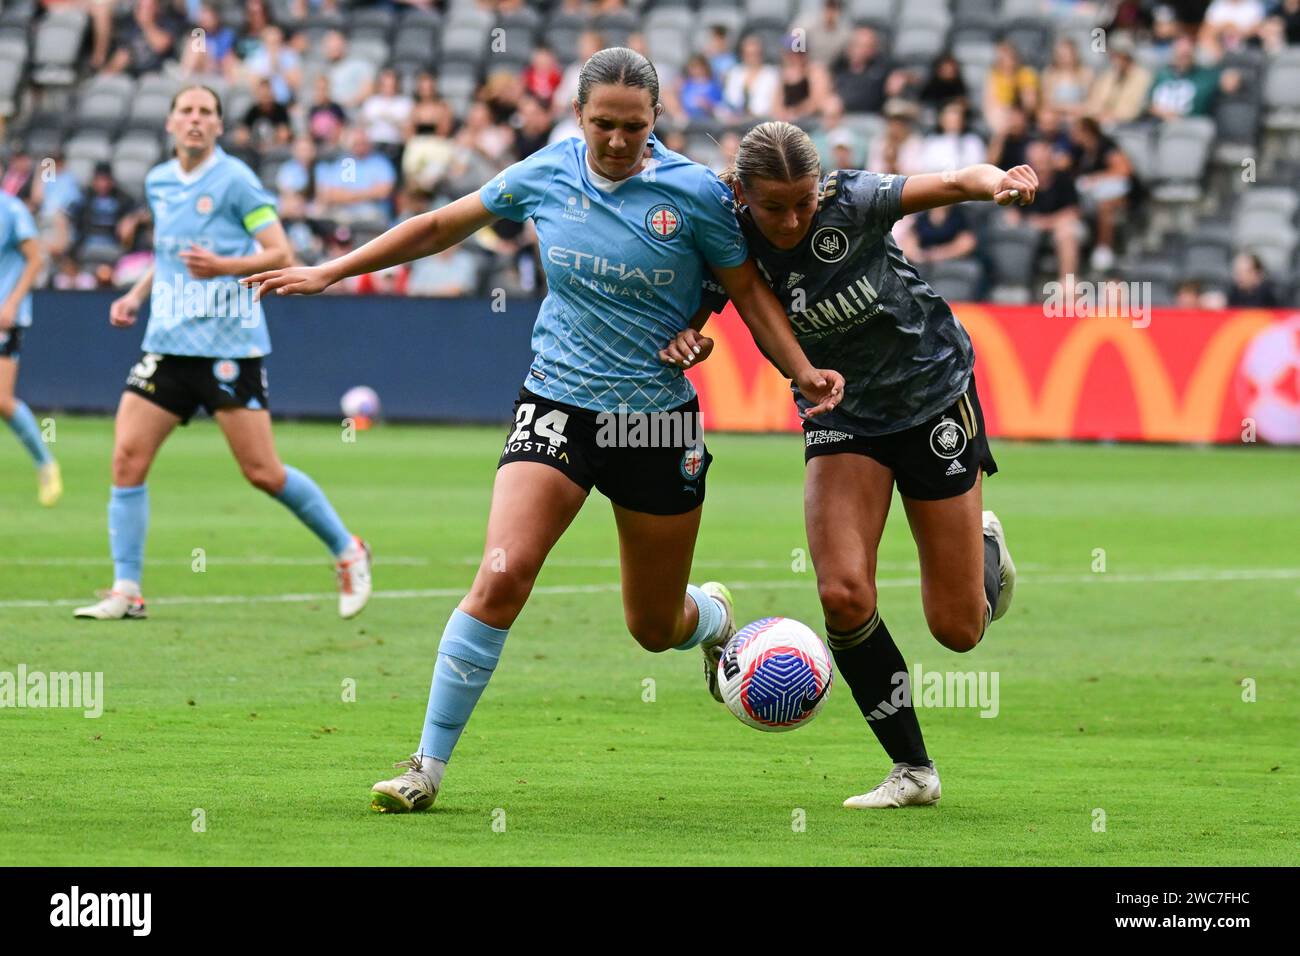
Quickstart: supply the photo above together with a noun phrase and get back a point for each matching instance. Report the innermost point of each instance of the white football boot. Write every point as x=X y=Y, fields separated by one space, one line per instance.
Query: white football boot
x=353 y=570
x=412 y=792
x=123 y=602
x=1006 y=567
x=906 y=786
x=713 y=649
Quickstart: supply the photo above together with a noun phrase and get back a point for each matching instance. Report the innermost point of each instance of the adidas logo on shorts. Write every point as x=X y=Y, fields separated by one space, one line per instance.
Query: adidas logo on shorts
x=954 y=468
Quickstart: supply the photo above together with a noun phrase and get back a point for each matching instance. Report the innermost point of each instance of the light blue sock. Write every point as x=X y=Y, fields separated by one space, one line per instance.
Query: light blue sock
x=304 y=498
x=24 y=425
x=710 y=618
x=128 y=520
x=467 y=655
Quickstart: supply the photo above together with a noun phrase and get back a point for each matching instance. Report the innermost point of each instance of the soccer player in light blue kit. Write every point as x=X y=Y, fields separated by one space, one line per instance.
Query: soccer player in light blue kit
x=204 y=347
x=624 y=231
x=20 y=260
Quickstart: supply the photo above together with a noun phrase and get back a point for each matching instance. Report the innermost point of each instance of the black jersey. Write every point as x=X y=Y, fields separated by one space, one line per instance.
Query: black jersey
x=858 y=306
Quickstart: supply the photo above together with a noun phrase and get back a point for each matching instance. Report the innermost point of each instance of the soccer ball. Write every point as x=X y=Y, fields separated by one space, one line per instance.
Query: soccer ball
x=1268 y=382
x=775 y=674
x=360 y=404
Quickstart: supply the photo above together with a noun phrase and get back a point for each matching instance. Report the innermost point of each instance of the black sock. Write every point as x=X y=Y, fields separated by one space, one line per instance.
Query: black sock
x=868 y=660
x=992 y=578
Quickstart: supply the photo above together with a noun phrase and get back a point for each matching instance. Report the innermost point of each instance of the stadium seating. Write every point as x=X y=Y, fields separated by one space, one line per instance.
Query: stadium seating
x=1191 y=170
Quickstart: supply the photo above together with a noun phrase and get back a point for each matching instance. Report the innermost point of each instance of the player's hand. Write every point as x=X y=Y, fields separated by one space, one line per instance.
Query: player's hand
x=687 y=348
x=823 y=387
x=1018 y=185
x=296 y=280
x=9 y=316
x=122 y=313
x=201 y=263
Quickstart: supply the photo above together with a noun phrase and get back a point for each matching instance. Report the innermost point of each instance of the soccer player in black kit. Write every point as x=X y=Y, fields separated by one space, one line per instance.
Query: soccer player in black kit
x=910 y=414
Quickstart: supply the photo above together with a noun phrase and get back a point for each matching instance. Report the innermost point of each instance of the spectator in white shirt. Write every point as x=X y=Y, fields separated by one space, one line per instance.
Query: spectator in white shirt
x=953 y=145
x=385 y=114
x=752 y=84
x=1231 y=24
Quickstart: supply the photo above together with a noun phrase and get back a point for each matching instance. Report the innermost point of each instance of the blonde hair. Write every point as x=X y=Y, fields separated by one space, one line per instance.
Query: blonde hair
x=773 y=150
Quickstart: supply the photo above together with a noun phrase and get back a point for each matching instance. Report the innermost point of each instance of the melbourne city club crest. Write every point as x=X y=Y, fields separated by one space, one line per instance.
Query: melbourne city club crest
x=663 y=221
x=692 y=463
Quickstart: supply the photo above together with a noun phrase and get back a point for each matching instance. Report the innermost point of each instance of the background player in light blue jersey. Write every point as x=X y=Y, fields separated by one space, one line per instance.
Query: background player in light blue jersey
x=20 y=260
x=626 y=229
x=910 y=416
x=204 y=347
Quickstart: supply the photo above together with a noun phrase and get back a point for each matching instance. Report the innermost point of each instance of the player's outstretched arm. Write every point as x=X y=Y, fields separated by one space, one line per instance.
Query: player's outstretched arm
x=761 y=311
x=415 y=238
x=980 y=182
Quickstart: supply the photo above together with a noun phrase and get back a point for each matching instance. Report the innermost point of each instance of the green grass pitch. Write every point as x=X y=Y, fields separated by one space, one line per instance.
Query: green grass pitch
x=1122 y=736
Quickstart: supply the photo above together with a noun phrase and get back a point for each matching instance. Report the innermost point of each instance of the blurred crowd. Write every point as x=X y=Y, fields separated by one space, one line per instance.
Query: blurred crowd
x=349 y=145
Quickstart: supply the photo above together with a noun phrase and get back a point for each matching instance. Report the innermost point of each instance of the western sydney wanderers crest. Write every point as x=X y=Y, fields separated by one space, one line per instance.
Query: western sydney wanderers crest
x=663 y=221
x=830 y=244
x=692 y=463
x=947 y=440
x=203 y=205
x=225 y=370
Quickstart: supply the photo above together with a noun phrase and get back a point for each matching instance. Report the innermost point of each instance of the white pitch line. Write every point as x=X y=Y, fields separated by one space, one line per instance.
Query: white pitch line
x=1172 y=577
x=415 y=561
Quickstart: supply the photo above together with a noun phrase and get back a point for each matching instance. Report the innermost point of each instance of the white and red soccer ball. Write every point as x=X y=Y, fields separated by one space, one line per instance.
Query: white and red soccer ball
x=361 y=404
x=775 y=674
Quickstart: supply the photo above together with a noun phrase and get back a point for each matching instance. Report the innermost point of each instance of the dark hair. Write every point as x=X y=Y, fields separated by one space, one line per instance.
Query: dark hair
x=196 y=86
x=961 y=103
x=1090 y=124
x=774 y=150
x=619 y=66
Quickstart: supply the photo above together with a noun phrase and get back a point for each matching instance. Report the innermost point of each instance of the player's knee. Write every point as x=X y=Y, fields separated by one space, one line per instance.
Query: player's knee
x=8 y=406
x=654 y=634
x=265 y=476
x=956 y=632
x=130 y=466
x=498 y=595
x=846 y=603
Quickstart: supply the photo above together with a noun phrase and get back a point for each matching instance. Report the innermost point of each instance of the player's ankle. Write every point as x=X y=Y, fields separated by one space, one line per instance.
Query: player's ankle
x=127 y=587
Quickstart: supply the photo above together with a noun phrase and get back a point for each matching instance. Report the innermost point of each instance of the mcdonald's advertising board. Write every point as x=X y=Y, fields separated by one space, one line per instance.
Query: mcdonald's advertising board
x=1188 y=376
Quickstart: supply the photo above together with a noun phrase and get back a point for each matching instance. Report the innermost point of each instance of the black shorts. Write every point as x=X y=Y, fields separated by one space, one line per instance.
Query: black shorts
x=11 y=342
x=937 y=459
x=653 y=462
x=182 y=383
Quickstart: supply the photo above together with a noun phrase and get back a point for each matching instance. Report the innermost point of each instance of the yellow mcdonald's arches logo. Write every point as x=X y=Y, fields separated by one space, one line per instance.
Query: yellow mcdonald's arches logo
x=736 y=402
x=1162 y=415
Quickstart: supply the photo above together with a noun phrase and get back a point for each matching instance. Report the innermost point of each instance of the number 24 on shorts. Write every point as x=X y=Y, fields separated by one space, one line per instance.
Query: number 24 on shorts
x=550 y=426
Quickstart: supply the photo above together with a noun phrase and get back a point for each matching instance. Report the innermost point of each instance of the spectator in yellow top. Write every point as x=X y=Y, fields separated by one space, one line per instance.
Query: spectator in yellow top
x=1010 y=83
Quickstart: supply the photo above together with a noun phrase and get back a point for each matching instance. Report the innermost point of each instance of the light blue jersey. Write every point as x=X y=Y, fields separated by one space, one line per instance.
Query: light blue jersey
x=219 y=205
x=16 y=227
x=624 y=262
